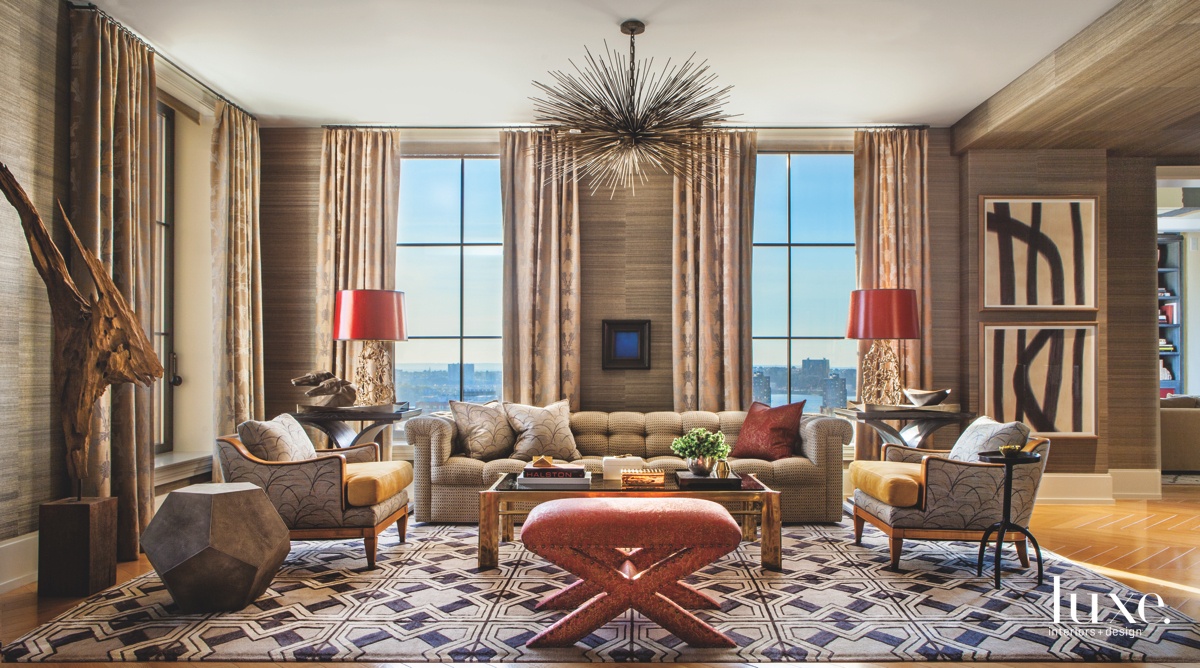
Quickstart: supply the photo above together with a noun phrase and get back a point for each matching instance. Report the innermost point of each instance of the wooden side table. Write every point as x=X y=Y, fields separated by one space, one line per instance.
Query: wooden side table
x=1006 y=524
x=332 y=423
x=921 y=423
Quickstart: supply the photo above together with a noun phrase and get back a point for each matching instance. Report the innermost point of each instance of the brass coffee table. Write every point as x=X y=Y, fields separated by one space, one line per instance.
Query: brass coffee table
x=759 y=503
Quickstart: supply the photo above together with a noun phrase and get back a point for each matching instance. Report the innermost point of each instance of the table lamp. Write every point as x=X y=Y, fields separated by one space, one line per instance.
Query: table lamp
x=371 y=316
x=881 y=315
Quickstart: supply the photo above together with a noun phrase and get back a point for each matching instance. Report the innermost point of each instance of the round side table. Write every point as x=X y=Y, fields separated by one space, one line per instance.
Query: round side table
x=1006 y=524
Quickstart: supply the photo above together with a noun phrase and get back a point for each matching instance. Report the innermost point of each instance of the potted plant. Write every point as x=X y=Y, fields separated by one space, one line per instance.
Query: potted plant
x=701 y=448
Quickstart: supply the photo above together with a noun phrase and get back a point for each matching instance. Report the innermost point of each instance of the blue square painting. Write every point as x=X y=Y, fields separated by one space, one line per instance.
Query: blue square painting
x=626 y=345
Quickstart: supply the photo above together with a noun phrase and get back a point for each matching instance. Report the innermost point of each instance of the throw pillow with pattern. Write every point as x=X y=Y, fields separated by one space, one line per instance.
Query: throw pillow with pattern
x=985 y=434
x=542 y=431
x=483 y=429
x=769 y=433
x=278 y=440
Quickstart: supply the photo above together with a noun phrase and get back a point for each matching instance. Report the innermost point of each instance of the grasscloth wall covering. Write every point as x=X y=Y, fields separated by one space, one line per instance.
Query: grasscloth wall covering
x=33 y=143
x=288 y=219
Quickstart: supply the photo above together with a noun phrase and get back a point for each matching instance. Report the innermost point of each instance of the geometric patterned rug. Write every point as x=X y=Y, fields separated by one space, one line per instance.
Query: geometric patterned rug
x=427 y=602
x=1180 y=479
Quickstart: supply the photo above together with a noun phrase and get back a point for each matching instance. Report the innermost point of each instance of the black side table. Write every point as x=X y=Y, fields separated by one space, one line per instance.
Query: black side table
x=332 y=422
x=1006 y=524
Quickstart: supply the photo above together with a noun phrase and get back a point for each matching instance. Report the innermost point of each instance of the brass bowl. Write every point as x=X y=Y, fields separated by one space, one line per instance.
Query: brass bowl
x=1010 y=450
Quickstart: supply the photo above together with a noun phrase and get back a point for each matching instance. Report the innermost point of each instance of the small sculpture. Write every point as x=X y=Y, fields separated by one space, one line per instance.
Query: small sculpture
x=328 y=390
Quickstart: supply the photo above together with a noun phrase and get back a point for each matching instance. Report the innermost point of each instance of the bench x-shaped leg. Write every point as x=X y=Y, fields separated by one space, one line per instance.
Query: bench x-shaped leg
x=632 y=561
x=623 y=587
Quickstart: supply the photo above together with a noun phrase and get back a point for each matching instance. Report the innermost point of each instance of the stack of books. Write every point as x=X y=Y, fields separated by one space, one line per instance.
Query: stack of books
x=558 y=476
x=1165 y=346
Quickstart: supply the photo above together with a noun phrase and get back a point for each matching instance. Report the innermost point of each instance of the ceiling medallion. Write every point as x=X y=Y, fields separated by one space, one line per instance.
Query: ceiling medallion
x=621 y=119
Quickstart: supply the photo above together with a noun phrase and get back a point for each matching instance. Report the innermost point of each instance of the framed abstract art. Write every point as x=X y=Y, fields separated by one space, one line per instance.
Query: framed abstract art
x=1038 y=253
x=1042 y=374
x=626 y=344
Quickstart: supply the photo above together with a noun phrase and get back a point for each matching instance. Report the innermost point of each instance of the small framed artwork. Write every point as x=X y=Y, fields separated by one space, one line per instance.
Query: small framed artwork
x=1041 y=374
x=1038 y=253
x=626 y=344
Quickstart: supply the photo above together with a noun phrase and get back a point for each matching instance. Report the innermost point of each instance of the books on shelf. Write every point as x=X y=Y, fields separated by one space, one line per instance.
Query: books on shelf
x=1168 y=314
x=584 y=482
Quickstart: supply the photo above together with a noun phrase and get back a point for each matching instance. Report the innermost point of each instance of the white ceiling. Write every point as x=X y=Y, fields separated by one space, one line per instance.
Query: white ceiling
x=471 y=62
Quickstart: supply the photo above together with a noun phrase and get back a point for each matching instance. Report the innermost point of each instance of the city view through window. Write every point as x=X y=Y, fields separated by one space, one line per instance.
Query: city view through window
x=449 y=252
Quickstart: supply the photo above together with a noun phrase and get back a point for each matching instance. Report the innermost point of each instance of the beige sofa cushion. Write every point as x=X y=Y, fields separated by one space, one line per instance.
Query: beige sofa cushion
x=542 y=431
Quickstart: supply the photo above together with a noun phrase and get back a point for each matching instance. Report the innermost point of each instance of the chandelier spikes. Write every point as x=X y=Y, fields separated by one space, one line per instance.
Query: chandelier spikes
x=621 y=118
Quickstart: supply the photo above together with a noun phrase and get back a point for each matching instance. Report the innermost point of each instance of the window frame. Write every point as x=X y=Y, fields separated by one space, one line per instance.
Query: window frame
x=163 y=269
x=788 y=245
x=462 y=245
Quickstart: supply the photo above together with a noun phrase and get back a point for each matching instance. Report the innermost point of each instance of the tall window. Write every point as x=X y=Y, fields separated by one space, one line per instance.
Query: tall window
x=804 y=271
x=163 y=280
x=448 y=264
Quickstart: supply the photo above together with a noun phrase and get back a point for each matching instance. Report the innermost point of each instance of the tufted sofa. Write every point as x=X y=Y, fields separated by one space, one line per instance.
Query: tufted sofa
x=447 y=483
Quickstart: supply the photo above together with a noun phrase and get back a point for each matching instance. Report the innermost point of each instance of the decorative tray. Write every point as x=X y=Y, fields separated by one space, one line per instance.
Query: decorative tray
x=689 y=480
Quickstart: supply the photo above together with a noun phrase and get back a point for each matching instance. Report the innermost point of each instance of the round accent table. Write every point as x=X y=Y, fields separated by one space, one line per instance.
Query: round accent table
x=1006 y=524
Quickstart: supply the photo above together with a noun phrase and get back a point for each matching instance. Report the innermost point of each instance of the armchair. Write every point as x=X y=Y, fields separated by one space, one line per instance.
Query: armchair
x=343 y=493
x=941 y=495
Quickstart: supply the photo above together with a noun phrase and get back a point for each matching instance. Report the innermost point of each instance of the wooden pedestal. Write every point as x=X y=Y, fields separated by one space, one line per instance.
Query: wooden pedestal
x=77 y=546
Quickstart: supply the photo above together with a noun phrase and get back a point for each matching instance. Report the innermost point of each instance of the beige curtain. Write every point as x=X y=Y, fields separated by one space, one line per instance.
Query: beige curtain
x=356 y=243
x=114 y=150
x=237 y=270
x=541 y=270
x=892 y=227
x=711 y=275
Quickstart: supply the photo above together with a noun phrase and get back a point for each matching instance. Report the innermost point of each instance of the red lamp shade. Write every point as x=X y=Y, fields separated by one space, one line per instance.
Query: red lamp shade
x=369 y=315
x=883 y=314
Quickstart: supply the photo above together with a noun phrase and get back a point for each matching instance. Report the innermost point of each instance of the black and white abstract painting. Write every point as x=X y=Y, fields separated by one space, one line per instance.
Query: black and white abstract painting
x=1039 y=253
x=1043 y=375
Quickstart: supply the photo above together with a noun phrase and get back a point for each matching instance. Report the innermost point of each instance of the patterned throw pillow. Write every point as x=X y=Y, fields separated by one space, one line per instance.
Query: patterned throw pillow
x=484 y=429
x=986 y=434
x=278 y=440
x=769 y=433
x=542 y=431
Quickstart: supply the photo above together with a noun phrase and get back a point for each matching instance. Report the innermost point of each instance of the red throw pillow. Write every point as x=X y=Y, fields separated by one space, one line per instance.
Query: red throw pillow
x=769 y=433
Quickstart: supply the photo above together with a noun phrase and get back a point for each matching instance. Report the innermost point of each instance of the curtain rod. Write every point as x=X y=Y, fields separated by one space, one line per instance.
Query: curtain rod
x=93 y=8
x=518 y=126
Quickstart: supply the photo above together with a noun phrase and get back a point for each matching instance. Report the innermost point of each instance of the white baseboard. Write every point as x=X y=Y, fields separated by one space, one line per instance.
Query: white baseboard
x=18 y=561
x=1076 y=488
x=1136 y=483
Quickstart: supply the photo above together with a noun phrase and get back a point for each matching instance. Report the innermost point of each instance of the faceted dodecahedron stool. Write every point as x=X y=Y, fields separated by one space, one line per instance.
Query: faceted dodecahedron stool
x=216 y=546
x=630 y=553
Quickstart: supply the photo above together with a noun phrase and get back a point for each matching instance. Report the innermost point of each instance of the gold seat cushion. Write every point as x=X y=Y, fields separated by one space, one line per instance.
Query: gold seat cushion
x=369 y=483
x=894 y=483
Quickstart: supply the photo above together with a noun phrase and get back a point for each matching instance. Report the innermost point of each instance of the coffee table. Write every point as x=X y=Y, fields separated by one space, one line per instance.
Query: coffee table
x=759 y=510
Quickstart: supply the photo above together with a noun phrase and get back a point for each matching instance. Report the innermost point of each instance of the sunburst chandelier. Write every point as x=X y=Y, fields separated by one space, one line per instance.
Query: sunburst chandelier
x=620 y=118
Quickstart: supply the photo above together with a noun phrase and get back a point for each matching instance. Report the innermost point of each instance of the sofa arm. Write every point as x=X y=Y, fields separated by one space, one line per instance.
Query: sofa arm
x=357 y=454
x=307 y=494
x=432 y=441
x=894 y=452
x=822 y=438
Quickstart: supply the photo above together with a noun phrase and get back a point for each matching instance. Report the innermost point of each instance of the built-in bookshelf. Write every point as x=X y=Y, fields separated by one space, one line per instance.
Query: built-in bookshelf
x=1170 y=314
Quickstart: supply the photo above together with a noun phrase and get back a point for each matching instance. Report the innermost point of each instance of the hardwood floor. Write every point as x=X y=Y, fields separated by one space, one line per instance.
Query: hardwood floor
x=1153 y=546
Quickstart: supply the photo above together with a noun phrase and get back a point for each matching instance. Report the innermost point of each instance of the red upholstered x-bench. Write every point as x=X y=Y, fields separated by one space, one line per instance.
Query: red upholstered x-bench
x=630 y=553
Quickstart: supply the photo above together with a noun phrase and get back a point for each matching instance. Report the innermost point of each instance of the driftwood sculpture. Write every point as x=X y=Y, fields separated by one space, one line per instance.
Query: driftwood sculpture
x=328 y=391
x=97 y=342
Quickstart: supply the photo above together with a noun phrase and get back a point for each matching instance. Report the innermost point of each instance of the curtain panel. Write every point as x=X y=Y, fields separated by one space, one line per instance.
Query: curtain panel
x=541 y=270
x=892 y=229
x=713 y=219
x=113 y=151
x=237 y=269
x=356 y=242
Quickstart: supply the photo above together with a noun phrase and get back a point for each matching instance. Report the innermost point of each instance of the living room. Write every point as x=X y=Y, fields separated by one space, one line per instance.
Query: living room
x=255 y=177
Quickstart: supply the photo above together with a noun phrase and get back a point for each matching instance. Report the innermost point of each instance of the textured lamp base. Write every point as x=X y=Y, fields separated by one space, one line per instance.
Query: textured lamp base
x=373 y=374
x=881 y=375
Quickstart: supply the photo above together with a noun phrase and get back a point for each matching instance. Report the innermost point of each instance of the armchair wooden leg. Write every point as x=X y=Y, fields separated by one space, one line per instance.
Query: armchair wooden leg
x=894 y=547
x=402 y=527
x=369 y=543
x=1023 y=552
x=858 y=527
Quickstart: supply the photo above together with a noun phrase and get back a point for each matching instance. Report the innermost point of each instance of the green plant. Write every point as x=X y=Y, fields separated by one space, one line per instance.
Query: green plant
x=701 y=442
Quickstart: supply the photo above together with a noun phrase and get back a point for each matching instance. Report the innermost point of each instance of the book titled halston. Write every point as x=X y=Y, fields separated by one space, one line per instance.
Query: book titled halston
x=556 y=471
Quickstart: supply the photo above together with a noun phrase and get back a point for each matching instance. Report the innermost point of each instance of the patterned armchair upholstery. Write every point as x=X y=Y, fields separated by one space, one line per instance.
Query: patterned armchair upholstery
x=956 y=497
x=447 y=483
x=343 y=493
